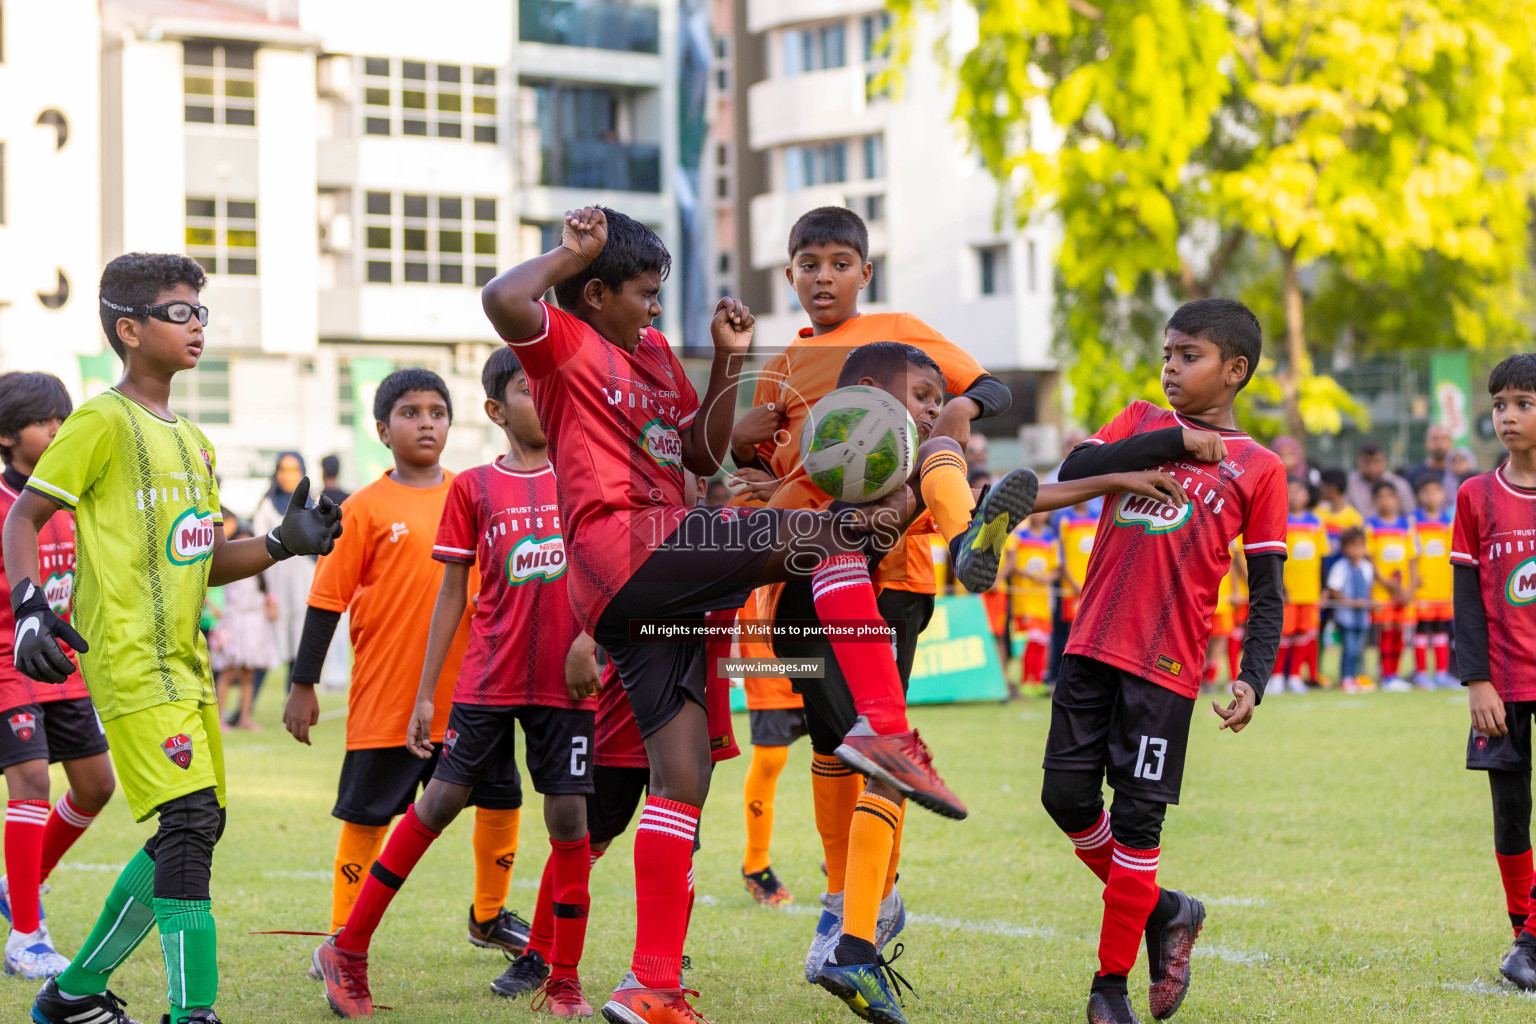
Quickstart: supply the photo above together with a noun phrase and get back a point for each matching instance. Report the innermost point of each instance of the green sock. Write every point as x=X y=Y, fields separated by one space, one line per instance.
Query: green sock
x=124 y=921
x=190 y=941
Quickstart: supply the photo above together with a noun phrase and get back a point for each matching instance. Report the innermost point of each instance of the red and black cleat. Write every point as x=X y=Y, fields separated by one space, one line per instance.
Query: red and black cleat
x=1110 y=1006
x=901 y=760
x=1168 y=950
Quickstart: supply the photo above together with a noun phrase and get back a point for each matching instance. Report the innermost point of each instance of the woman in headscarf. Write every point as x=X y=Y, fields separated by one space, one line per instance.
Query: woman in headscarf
x=1462 y=462
x=288 y=581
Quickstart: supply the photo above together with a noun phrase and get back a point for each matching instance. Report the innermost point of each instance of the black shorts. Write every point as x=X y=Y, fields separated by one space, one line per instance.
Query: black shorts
x=480 y=746
x=1105 y=719
x=777 y=727
x=377 y=785
x=829 y=707
x=1433 y=627
x=615 y=796
x=59 y=730
x=710 y=563
x=1510 y=752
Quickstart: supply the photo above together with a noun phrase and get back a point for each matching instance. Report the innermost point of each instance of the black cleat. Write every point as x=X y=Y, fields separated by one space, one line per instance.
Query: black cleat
x=1111 y=1006
x=51 y=1008
x=525 y=974
x=1519 y=964
x=979 y=550
x=504 y=931
x=1168 y=956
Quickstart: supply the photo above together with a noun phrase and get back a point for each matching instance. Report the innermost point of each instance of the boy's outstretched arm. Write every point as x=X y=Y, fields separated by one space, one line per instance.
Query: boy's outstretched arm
x=1141 y=451
x=1151 y=483
x=511 y=300
x=452 y=598
x=38 y=628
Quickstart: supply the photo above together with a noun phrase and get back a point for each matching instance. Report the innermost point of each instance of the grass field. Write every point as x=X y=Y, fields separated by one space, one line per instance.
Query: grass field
x=1344 y=854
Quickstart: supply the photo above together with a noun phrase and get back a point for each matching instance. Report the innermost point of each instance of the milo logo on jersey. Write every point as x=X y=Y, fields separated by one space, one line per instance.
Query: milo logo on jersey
x=536 y=558
x=1521 y=588
x=662 y=443
x=191 y=537
x=58 y=589
x=1152 y=515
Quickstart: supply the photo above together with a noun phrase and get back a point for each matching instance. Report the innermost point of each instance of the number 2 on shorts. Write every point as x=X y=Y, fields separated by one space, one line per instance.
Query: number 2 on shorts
x=578 y=756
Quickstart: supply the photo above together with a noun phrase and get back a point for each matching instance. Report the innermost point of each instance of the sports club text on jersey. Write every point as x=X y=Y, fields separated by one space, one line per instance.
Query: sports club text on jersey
x=1495 y=533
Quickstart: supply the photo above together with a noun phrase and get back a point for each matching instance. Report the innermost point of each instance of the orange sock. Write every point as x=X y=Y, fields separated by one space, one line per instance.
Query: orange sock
x=890 y=872
x=356 y=851
x=835 y=790
x=495 y=843
x=946 y=492
x=762 y=780
x=870 y=839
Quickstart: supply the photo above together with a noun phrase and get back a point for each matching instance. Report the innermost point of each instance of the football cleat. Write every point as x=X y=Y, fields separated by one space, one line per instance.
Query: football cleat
x=1519 y=964
x=346 y=979
x=1423 y=681
x=1168 y=956
x=871 y=991
x=32 y=956
x=892 y=919
x=52 y=1008
x=1295 y=684
x=1396 y=684
x=902 y=760
x=5 y=906
x=504 y=931
x=633 y=1003
x=1276 y=684
x=1003 y=506
x=1111 y=1006
x=199 y=1016
x=829 y=929
x=525 y=974
x=563 y=997
x=1446 y=681
x=766 y=888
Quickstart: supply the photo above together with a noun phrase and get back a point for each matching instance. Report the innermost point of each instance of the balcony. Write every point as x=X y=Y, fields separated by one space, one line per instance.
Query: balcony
x=598 y=24
x=816 y=105
x=607 y=166
x=763 y=15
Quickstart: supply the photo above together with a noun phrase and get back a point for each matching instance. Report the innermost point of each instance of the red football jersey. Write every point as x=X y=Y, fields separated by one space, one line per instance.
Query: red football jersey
x=1496 y=533
x=613 y=419
x=1150 y=591
x=509 y=523
x=618 y=736
x=56 y=565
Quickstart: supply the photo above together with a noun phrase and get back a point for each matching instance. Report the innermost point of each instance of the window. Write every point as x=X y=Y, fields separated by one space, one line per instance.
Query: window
x=429 y=238
x=876 y=292
x=483 y=104
x=435 y=100
x=874 y=207
x=725 y=263
x=805 y=166
x=221 y=235
x=346 y=394
x=723 y=47
x=219 y=84
x=874 y=156
x=814 y=49
x=202 y=393
x=723 y=155
x=1029 y=264
x=992 y=269
x=875 y=28
x=723 y=79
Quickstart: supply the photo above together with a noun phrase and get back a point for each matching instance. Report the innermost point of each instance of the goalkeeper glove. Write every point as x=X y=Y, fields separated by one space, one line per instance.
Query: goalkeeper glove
x=305 y=531
x=38 y=632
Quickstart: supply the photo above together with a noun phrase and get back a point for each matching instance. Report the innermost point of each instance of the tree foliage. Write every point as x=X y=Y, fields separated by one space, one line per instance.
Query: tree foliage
x=1360 y=173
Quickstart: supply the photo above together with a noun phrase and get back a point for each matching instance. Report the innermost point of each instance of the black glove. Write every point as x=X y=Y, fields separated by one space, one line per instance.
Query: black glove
x=305 y=531
x=38 y=632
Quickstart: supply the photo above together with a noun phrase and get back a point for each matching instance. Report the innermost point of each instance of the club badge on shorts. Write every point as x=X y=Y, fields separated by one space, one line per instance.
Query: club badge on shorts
x=450 y=737
x=179 y=749
x=23 y=724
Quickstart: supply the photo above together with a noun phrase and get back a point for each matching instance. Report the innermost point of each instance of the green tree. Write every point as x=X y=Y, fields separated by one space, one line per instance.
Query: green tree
x=1382 y=150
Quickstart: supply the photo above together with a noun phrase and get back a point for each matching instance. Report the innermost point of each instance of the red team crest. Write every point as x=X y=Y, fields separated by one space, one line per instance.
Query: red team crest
x=450 y=737
x=179 y=749
x=23 y=724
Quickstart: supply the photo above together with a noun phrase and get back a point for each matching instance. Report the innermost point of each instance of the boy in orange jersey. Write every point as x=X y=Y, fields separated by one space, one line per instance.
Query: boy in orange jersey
x=1432 y=600
x=1306 y=540
x=1390 y=540
x=384 y=574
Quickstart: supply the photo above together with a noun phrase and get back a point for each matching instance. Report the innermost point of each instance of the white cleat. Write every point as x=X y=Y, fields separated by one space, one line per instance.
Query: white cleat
x=1294 y=684
x=32 y=956
x=829 y=928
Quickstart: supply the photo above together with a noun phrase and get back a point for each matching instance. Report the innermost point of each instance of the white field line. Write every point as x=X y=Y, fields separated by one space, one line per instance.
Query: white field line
x=319 y=875
x=1483 y=988
x=1245 y=957
x=114 y=868
x=326 y=716
x=1232 y=901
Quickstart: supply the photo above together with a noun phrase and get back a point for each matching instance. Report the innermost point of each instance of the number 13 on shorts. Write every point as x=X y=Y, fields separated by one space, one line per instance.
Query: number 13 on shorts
x=1150 y=757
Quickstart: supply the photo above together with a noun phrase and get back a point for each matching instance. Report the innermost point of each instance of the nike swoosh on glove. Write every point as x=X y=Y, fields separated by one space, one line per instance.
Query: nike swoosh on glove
x=38 y=632
x=305 y=531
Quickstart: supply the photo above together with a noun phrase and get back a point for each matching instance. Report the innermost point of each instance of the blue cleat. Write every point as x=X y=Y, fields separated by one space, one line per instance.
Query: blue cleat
x=979 y=550
x=871 y=991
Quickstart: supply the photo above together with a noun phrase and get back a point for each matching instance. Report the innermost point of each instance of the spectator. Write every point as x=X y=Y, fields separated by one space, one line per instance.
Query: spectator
x=976 y=452
x=288 y=581
x=717 y=493
x=242 y=641
x=1462 y=463
x=1349 y=592
x=1371 y=469
x=1437 y=452
x=1294 y=460
x=330 y=476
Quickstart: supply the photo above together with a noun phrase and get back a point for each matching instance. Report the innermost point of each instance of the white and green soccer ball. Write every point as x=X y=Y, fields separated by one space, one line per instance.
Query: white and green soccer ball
x=858 y=444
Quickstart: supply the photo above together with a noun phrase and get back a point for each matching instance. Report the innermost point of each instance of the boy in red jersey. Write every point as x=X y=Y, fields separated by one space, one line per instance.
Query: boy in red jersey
x=1132 y=668
x=1493 y=550
x=46 y=723
x=526 y=661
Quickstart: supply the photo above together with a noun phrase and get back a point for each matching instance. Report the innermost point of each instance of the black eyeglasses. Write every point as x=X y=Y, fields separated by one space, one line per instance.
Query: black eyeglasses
x=170 y=312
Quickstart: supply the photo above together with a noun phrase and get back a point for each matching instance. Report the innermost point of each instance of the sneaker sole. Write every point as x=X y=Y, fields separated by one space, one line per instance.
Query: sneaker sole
x=855 y=1001
x=1199 y=925
x=492 y=944
x=1014 y=494
x=617 y=1013
x=859 y=763
x=513 y=994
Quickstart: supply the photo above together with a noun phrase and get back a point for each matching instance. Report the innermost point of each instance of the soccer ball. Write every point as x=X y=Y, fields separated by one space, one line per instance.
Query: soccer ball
x=859 y=444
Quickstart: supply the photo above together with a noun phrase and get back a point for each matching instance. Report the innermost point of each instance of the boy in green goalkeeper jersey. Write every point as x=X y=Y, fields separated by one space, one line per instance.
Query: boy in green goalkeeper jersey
x=140 y=480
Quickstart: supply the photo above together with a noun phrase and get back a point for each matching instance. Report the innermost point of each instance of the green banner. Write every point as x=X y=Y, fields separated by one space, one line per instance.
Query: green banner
x=1450 y=378
x=372 y=459
x=957 y=655
x=99 y=372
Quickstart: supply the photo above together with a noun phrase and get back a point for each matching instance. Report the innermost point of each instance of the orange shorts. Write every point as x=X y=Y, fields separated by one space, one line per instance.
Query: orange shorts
x=1434 y=611
x=1299 y=618
x=996 y=603
x=1024 y=625
x=1393 y=615
x=1221 y=623
x=1239 y=612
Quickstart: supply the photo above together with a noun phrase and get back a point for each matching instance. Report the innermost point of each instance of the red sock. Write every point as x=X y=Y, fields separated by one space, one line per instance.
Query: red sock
x=1209 y=679
x=1309 y=656
x=573 y=866
x=1095 y=846
x=24 y=824
x=65 y=825
x=1515 y=871
x=541 y=935
x=841 y=589
x=1235 y=653
x=1420 y=652
x=1129 y=896
x=1034 y=661
x=1283 y=662
x=406 y=844
x=1442 y=646
x=1391 y=649
x=663 y=858
x=692 y=891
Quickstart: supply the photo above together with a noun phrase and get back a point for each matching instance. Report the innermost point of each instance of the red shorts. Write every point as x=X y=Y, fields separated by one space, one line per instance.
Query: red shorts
x=1299 y=618
x=1221 y=623
x=1031 y=624
x=1393 y=615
